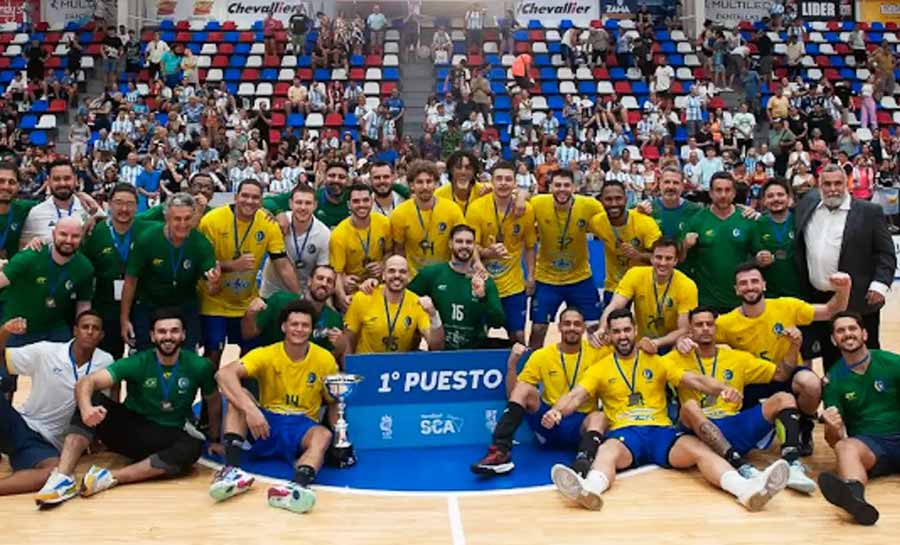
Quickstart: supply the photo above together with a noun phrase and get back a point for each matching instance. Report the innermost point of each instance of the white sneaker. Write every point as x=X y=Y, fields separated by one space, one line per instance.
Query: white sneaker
x=571 y=485
x=229 y=482
x=292 y=497
x=763 y=488
x=56 y=490
x=96 y=480
x=798 y=479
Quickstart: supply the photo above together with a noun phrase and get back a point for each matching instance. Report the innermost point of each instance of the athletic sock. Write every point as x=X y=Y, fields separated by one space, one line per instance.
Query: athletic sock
x=788 y=422
x=233 y=443
x=733 y=483
x=598 y=481
x=734 y=458
x=590 y=442
x=506 y=427
x=304 y=475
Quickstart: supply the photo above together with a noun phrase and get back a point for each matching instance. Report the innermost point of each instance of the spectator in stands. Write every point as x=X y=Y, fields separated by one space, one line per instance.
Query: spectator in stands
x=396 y=109
x=569 y=46
x=189 y=67
x=441 y=46
x=598 y=44
x=37 y=58
x=857 y=41
x=507 y=29
x=154 y=53
x=765 y=48
x=170 y=66
x=112 y=51
x=694 y=108
x=794 y=52
x=883 y=62
x=377 y=23
x=474 y=25
x=299 y=25
x=521 y=71
x=778 y=107
x=74 y=53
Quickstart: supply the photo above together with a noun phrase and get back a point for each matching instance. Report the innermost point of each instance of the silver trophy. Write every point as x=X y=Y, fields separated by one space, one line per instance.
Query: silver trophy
x=341 y=386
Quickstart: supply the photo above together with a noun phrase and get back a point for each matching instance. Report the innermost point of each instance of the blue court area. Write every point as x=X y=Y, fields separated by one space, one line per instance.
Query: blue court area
x=426 y=469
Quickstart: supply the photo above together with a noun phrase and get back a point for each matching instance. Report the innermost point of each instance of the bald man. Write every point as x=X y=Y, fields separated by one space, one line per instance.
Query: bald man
x=389 y=317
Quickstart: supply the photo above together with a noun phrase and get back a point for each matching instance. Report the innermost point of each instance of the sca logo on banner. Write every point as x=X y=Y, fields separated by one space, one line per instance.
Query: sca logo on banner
x=440 y=424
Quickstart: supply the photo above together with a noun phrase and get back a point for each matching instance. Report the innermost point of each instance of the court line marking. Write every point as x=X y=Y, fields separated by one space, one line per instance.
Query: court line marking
x=429 y=493
x=456 y=527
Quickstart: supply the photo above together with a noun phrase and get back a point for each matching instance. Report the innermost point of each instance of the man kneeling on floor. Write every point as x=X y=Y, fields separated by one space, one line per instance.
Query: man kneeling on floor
x=149 y=427
x=285 y=422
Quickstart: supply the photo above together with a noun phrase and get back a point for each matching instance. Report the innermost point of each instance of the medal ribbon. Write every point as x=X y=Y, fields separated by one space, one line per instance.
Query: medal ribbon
x=175 y=264
x=505 y=215
x=427 y=230
x=238 y=245
x=392 y=324
x=714 y=363
x=123 y=245
x=564 y=232
x=164 y=385
x=661 y=302
x=297 y=248
x=637 y=359
x=562 y=361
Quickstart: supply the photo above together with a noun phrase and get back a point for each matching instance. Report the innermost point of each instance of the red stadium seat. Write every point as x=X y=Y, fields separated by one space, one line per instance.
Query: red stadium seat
x=633 y=117
x=523 y=47
x=832 y=75
x=183 y=37
x=93 y=50
x=842 y=48
x=373 y=61
x=5 y=62
x=272 y=61
x=147 y=36
x=281 y=89
x=183 y=25
x=334 y=120
x=219 y=61
x=52 y=38
x=822 y=61
x=536 y=35
x=387 y=87
x=247 y=37
x=278 y=103
x=54 y=62
x=215 y=37
x=596 y=23
x=57 y=106
x=476 y=60
x=229 y=25
x=356 y=74
x=250 y=74
x=277 y=119
x=306 y=74
x=884 y=118
x=622 y=87
x=274 y=136
x=716 y=102
x=225 y=49
x=601 y=74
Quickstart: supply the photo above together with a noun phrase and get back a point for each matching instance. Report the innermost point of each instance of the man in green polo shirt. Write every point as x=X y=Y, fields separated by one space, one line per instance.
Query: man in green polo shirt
x=165 y=265
x=13 y=210
x=148 y=428
x=261 y=322
x=108 y=247
x=719 y=239
x=773 y=242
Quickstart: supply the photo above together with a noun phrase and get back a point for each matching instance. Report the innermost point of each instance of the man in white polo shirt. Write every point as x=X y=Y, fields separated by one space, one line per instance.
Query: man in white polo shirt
x=63 y=203
x=33 y=436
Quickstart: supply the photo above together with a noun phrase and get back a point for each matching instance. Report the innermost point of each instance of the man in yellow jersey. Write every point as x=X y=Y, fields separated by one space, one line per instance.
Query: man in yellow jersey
x=421 y=226
x=631 y=384
x=556 y=369
x=502 y=240
x=759 y=325
x=627 y=236
x=285 y=419
x=359 y=244
x=662 y=298
x=241 y=234
x=563 y=272
x=728 y=430
x=464 y=169
x=391 y=318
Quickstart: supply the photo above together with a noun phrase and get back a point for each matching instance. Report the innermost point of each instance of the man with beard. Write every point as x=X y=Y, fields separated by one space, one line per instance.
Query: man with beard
x=728 y=430
x=862 y=418
x=421 y=226
x=305 y=241
x=107 y=247
x=391 y=318
x=163 y=269
x=502 y=239
x=662 y=299
x=62 y=203
x=719 y=239
x=241 y=234
x=466 y=299
x=464 y=187
x=359 y=244
x=555 y=369
x=670 y=210
x=563 y=271
x=260 y=323
x=760 y=326
x=148 y=428
x=32 y=436
x=388 y=195
x=13 y=210
x=640 y=431
x=332 y=197
x=284 y=421
x=773 y=242
x=627 y=237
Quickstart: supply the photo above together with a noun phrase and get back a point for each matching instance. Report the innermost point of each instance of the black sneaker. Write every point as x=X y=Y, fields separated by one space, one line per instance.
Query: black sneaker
x=840 y=493
x=582 y=464
x=495 y=462
x=806 y=436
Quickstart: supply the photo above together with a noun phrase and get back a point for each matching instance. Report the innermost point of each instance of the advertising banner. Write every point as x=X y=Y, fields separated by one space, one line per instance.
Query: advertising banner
x=880 y=11
x=551 y=12
x=625 y=9
x=243 y=12
x=729 y=13
x=825 y=10
x=13 y=11
x=79 y=11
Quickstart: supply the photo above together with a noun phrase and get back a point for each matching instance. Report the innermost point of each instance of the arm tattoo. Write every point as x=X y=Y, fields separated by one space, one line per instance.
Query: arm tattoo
x=710 y=434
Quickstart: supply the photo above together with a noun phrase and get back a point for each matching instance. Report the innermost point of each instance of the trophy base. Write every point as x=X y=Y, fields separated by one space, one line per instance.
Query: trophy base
x=340 y=457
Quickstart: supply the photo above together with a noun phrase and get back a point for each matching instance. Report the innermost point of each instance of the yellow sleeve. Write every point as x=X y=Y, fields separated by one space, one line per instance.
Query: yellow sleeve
x=674 y=372
x=274 y=236
x=473 y=220
x=206 y=227
x=687 y=300
x=254 y=360
x=592 y=379
x=398 y=225
x=803 y=312
x=600 y=226
x=455 y=218
x=628 y=285
x=531 y=373
x=385 y=224
x=649 y=230
x=528 y=220
x=421 y=319
x=722 y=330
x=353 y=317
x=757 y=371
x=336 y=256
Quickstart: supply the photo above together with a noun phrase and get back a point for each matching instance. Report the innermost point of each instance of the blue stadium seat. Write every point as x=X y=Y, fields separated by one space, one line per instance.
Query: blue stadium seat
x=7 y=76
x=441 y=88
x=837 y=61
x=442 y=72
x=39 y=36
x=542 y=60
x=322 y=74
x=668 y=48
x=501 y=118
x=548 y=73
x=832 y=37
x=257 y=25
x=663 y=36
x=232 y=74
x=357 y=61
x=237 y=61
x=390 y=73
x=496 y=74
x=520 y=35
x=162 y=118
x=242 y=49
x=555 y=103
x=167 y=24
x=534 y=24
x=459 y=48
x=18 y=63
x=28 y=122
x=195 y=48
x=549 y=88
x=554 y=48
x=565 y=24
x=232 y=36
x=304 y=61
x=231 y=87
x=640 y=87
x=199 y=36
x=496 y=86
x=269 y=74
x=812 y=48
x=874 y=37
x=504 y=135
x=167 y=36
x=492 y=60
x=502 y=103
x=39 y=106
x=213 y=25
x=676 y=61
x=611 y=24
x=876 y=26
x=86 y=37
x=848 y=74
x=587 y=87
x=617 y=73
x=350 y=120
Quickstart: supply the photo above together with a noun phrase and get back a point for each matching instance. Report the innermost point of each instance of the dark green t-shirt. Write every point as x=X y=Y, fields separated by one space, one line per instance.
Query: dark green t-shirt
x=276 y=204
x=672 y=221
x=270 y=330
x=141 y=373
x=158 y=213
x=465 y=317
x=331 y=213
x=154 y=260
x=108 y=262
x=869 y=403
x=721 y=246
x=782 y=277
x=11 y=225
x=35 y=280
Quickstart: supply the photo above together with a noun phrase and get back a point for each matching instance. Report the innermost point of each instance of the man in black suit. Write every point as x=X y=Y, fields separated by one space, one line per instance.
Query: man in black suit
x=836 y=232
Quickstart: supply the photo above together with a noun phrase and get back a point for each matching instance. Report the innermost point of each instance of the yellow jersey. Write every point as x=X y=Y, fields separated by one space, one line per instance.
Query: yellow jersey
x=492 y=225
x=287 y=386
x=563 y=253
x=230 y=240
x=349 y=248
x=424 y=234
x=639 y=230
x=446 y=192
x=762 y=336
x=368 y=319
x=633 y=390
x=734 y=368
x=657 y=306
x=559 y=372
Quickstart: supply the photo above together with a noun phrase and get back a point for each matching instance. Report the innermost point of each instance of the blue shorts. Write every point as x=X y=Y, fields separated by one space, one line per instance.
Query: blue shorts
x=217 y=330
x=566 y=434
x=514 y=310
x=753 y=393
x=647 y=444
x=25 y=447
x=748 y=430
x=286 y=432
x=886 y=449
x=548 y=297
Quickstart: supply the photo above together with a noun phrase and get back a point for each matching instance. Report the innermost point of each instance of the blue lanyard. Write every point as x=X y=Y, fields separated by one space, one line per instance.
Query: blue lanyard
x=780 y=230
x=5 y=236
x=175 y=264
x=69 y=211
x=637 y=359
x=75 y=364
x=123 y=245
x=297 y=248
x=853 y=366
x=562 y=360
x=163 y=383
x=53 y=283
x=715 y=363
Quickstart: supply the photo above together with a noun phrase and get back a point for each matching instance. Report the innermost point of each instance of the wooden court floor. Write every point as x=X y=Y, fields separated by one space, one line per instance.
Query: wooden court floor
x=655 y=507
